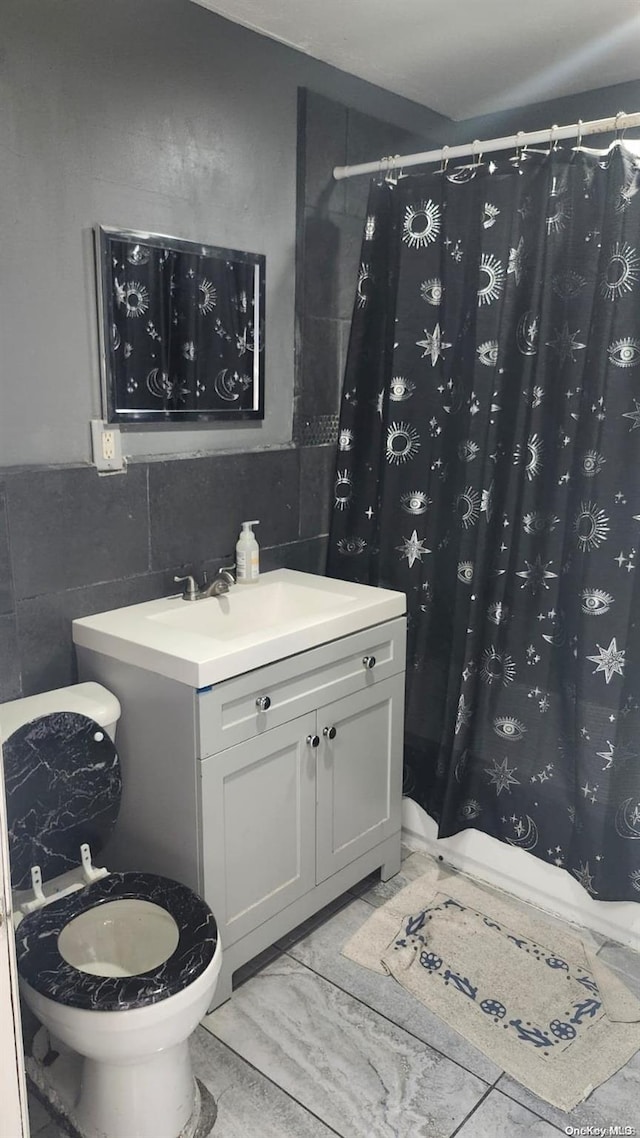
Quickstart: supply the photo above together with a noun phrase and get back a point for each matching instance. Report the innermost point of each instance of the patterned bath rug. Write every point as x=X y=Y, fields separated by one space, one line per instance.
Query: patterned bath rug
x=534 y=999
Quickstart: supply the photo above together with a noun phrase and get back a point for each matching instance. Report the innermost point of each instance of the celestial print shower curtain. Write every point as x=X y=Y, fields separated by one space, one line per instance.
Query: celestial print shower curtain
x=489 y=467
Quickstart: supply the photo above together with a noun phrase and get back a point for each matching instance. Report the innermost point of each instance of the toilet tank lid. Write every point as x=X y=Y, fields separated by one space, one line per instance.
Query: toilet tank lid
x=88 y=699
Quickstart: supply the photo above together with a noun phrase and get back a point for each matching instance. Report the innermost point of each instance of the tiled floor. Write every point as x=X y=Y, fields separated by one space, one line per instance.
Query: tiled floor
x=312 y=1045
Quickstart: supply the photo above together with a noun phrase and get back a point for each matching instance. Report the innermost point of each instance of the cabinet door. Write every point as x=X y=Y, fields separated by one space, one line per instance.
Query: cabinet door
x=359 y=774
x=258 y=822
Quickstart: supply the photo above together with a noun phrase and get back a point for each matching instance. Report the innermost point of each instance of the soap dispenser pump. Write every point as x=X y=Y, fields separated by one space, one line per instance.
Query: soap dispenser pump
x=247 y=555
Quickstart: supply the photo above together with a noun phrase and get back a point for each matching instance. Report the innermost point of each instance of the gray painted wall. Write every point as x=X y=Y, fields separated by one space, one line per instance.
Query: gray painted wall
x=599 y=103
x=148 y=114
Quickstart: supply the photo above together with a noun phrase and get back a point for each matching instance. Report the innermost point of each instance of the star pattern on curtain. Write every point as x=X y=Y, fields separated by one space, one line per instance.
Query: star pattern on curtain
x=489 y=443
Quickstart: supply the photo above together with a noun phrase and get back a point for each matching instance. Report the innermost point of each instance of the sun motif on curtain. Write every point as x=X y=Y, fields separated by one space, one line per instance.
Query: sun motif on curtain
x=489 y=467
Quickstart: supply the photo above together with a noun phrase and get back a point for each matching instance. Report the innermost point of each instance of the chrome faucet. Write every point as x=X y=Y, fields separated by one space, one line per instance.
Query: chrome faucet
x=221 y=584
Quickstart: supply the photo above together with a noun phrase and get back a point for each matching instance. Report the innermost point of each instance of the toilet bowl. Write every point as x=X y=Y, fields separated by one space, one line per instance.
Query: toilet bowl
x=119 y=968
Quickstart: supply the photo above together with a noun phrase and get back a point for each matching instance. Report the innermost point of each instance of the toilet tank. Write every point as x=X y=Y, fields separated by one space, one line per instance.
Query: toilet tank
x=88 y=699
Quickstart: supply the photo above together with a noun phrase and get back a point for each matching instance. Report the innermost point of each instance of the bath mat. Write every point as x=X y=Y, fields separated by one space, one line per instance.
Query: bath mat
x=534 y=999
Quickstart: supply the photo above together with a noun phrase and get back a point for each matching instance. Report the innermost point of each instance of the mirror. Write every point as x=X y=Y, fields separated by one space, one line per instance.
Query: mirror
x=182 y=329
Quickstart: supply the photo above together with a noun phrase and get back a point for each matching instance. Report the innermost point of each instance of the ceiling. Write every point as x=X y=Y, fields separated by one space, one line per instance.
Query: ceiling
x=462 y=58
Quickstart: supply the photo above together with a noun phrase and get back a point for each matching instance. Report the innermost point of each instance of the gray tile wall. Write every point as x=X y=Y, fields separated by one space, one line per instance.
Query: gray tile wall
x=73 y=543
x=329 y=234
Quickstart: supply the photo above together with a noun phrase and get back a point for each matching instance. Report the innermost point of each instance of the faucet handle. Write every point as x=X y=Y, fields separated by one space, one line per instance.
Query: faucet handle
x=191 y=589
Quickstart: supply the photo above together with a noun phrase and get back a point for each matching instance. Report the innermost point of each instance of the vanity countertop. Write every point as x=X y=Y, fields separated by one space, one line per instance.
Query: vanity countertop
x=204 y=642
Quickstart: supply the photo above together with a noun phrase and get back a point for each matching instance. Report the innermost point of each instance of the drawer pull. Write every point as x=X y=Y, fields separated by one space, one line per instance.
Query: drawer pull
x=329 y=732
x=369 y=661
x=263 y=703
x=313 y=740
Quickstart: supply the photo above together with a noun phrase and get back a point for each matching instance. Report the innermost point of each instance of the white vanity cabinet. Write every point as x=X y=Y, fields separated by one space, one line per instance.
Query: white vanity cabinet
x=291 y=807
x=270 y=793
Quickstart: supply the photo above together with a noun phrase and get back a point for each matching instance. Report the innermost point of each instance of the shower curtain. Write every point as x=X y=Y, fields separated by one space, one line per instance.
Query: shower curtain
x=489 y=467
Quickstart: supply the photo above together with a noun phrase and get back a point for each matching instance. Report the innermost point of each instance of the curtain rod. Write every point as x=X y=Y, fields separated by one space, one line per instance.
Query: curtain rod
x=475 y=149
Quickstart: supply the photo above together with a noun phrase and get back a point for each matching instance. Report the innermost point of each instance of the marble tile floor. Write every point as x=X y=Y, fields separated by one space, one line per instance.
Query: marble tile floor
x=313 y=1046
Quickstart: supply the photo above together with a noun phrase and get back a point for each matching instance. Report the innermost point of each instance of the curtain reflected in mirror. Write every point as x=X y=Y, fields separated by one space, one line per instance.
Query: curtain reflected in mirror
x=182 y=329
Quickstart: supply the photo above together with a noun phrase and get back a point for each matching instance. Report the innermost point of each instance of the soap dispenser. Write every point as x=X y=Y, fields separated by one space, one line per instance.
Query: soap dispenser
x=247 y=555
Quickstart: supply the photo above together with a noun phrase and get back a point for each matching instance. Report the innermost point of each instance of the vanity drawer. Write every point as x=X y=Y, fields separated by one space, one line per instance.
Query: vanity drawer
x=228 y=713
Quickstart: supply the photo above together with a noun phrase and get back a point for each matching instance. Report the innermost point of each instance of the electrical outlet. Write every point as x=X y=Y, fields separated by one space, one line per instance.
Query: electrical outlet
x=107 y=446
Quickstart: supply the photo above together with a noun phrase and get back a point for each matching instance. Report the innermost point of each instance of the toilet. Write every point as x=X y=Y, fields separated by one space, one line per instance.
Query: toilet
x=119 y=968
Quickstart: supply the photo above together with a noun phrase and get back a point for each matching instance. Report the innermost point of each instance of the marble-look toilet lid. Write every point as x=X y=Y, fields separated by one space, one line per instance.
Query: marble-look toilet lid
x=43 y=967
x=63 y=784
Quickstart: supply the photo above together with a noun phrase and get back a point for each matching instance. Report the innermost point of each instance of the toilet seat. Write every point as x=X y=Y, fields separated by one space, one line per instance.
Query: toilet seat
x=42 y=966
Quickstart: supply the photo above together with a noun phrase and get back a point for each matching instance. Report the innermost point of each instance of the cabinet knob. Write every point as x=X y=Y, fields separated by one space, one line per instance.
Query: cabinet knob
x=329 y=732
x=313 y=740
x=263 y=703
x=369 y=661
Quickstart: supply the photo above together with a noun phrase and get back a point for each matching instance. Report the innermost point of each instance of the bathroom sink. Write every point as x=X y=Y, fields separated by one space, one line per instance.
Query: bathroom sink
x=245 y=609
x=203 y=642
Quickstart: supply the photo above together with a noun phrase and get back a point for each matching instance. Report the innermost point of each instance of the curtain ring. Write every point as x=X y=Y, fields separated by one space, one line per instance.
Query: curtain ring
x=620 y=130
x=444 y=161
x=579 y=135
x=391 y=176
x=553 y=143
x=478 y=155
x=519 y=149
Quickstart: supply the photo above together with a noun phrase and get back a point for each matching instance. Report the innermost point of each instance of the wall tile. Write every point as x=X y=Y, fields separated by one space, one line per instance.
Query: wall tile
x=367 y=141
x=345 y=335
x=70 y=527
x=44 y=625
x=320 y=372
x=203 y=571
x=323 y=124
x=197 y=505
x=317 y=282
x=317 y=470
x=330 y=270
x=10 y=682
x=6 y=580
x=308 y=556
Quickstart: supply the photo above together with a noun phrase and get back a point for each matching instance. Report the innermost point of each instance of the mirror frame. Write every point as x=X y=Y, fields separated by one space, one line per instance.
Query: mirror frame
x=228 y=386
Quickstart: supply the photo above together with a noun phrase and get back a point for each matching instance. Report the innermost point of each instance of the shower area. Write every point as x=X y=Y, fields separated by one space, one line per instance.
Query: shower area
x=488 y=465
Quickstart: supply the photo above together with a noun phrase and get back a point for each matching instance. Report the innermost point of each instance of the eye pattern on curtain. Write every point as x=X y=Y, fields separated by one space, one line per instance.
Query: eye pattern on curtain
x=489 y=466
